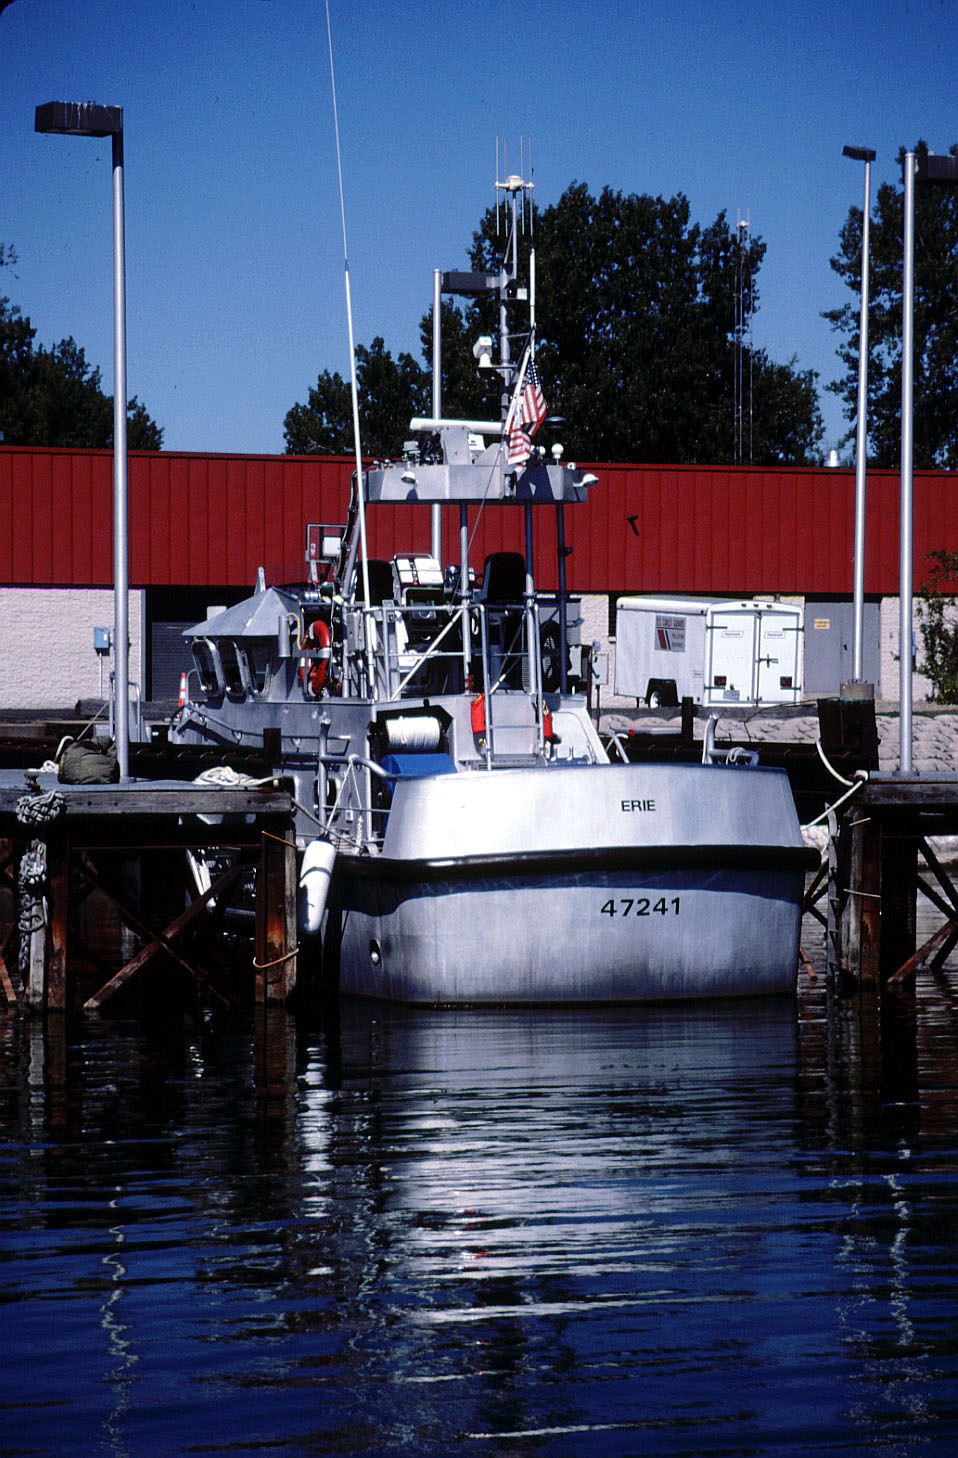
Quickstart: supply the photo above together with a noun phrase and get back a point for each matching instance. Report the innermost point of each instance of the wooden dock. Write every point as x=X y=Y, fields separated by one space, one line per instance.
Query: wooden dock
x=126 y=849
x=99 y=884
x=881 y=855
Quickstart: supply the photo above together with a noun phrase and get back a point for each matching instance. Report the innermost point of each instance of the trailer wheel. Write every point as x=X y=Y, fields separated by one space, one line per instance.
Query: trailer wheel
x=662 y=694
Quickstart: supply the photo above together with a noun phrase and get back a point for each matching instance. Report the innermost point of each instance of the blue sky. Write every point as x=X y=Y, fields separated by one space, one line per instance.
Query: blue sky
x=234 y=243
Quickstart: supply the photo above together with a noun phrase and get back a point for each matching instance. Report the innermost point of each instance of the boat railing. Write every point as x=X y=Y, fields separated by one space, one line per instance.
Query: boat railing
x=511 y=659
x=406 y=650
x=444 y=645
x=404 y=639
x=352 y=820
x=734 y=754
x=395 y=650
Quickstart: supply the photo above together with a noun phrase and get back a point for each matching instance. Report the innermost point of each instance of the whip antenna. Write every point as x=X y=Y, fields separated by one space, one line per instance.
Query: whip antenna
x=349 y=325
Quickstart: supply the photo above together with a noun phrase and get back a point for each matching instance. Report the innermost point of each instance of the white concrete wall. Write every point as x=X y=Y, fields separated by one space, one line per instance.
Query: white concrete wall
x=47 y=658
x=888 y=689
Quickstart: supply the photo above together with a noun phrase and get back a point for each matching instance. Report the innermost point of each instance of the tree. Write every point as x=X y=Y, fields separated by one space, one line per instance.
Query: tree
x=324 y=425
x=786 y=420
x=938 y=626
x=390 y=393
x=53 y=397
x=637 y=309
x=636 y=315
x=936 y=322
x=467 y=394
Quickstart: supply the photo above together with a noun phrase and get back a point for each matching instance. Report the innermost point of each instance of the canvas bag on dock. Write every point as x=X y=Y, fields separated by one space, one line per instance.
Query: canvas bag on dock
x=88 y=763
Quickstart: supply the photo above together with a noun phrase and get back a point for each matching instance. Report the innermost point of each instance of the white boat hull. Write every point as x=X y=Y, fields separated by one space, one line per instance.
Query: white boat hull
x=612 y=937
x=567 y=918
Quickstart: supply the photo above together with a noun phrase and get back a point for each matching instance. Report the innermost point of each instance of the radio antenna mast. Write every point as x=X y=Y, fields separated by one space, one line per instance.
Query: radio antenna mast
x=349 y=324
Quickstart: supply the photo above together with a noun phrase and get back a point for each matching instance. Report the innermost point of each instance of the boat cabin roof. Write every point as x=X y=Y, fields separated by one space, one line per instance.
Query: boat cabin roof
x=254 y=617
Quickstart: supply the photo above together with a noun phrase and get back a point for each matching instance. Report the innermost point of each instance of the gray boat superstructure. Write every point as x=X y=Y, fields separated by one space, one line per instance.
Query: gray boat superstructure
x=465 y=837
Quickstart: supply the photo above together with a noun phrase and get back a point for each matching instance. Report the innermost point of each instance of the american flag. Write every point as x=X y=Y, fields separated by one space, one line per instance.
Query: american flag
x=520 y=445
x=528 y=416
x=532 y=406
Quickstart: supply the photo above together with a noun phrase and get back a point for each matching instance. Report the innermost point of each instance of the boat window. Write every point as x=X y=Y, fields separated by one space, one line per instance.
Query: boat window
x=207 y=659
x=235 y=671
x=259 y=653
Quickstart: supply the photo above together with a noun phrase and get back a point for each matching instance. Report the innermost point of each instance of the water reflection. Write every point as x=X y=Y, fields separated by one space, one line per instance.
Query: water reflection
x=603 y=1231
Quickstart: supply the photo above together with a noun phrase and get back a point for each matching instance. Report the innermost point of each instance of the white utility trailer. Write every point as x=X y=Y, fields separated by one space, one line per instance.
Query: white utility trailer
x=714 y=651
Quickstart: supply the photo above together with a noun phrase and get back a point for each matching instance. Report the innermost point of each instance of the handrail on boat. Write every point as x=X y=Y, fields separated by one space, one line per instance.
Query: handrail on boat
x=355 y=762
x=423 y=658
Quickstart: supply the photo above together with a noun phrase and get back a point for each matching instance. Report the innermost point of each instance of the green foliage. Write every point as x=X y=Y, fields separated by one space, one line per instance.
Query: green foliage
x=53 y=397
x=390 y=393
x=324 y=425
x=938 y=625
x=936 y=322
x=466 y=394
x=636 y=317
x=636 y=311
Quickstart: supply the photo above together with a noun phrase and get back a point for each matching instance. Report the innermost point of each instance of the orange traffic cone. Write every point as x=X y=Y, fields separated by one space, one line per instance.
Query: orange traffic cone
x=182 y=690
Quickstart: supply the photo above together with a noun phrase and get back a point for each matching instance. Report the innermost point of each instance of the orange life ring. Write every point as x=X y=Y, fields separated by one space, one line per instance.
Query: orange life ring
x=317 y=646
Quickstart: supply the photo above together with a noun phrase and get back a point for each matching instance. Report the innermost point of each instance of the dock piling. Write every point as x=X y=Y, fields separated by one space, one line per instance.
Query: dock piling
x=125 y=845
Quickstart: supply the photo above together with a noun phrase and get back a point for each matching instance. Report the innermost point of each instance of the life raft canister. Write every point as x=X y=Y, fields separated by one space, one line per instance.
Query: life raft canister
x=314 y=665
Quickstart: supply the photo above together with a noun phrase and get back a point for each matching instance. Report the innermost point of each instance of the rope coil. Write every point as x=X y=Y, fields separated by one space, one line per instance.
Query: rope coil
x=31 y=883
x=40 y=809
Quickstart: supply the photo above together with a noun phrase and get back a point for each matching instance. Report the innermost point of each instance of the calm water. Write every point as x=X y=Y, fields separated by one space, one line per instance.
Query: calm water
x=659 y=1231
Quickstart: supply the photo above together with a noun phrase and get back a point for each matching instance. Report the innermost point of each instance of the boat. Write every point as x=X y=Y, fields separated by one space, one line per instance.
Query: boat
x=466 y=834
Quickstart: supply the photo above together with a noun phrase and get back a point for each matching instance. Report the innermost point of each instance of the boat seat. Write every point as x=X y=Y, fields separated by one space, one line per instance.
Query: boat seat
x=380 y=582
x=503 y=578
x=502 y=594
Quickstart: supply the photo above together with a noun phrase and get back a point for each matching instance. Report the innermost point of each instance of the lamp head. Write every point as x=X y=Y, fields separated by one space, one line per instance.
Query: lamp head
x=79 y=119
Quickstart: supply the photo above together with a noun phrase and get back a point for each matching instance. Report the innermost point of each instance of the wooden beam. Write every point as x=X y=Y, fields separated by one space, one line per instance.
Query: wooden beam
x=58 y=913
x=162 y=941
x=142 y=928
x=6 y=981
x=918 y=959
x=939 y=873
x=276 y=947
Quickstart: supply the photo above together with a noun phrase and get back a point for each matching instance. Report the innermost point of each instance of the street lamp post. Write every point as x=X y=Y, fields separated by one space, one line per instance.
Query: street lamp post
x=866 y=155
x=906 y=515
x=927 y=168
x=87 y=119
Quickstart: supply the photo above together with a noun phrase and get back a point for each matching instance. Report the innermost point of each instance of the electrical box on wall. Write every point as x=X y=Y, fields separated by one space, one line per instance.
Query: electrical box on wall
x=102 y=639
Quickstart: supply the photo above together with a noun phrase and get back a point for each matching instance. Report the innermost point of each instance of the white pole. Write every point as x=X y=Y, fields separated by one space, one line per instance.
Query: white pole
x=121 y=579
x=907 y=444
x=360 y=477
x=861 y=445
x=436 y=509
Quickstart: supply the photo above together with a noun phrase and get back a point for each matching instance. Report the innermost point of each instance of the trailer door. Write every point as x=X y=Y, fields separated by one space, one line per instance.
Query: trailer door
x=777 y=665
x=731 y=642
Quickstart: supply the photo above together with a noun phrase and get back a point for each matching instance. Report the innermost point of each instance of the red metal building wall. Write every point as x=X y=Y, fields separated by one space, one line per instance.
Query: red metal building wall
x=199 y=520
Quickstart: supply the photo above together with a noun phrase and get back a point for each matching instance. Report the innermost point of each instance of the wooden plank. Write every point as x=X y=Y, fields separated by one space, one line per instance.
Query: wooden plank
x=276 y=946
x=149 y=797
x=103 y=800
x=180 y=923
x=58 y=911
x=6 y=981
x=137 y=924
x=916 y=794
